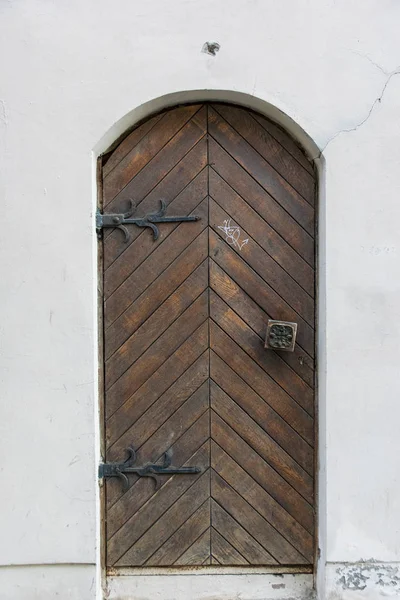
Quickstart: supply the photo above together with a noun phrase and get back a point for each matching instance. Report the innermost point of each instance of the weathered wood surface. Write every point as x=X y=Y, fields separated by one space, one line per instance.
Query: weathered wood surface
x=184 y=325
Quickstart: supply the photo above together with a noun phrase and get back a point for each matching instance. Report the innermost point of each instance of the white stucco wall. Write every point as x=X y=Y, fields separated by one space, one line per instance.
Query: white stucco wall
x=73 y=76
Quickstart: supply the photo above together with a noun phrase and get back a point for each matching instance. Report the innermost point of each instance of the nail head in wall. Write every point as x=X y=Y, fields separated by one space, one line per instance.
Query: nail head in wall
x=210 y=48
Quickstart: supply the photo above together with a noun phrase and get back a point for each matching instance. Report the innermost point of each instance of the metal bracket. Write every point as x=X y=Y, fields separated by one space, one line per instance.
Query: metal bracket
x=148 y=470
x=281 y=335
x=119 y=220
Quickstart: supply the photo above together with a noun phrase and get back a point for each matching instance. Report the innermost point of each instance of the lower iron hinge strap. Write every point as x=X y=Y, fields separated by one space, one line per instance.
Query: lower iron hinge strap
x=121 y=470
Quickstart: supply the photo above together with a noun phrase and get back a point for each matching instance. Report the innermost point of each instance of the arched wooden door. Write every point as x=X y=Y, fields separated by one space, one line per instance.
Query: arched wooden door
x=186 y=371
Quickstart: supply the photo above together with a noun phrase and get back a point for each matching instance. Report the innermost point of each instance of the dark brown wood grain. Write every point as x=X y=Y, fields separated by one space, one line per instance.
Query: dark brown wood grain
x=258 y=289
x=259 y=380
x=248 y=219
x=143 y=243
x=128 y=144
x=157 y=323
x=261 y=472
x=258 y=439
x=269 y=270
x=261 y=201
x=185 y=536
x=261 y=171
x=178 y=514
x=165 y=132
x=260 y=139
x=231 y=530
x=285 y=435
x=256 y=318
x=158 y=352
x=167 y=282
x=279 y=371
x=185 y=368
x=273 y=542
x=261 y=501
x=154 y=265
x=169 y=189
x=198 y=553
x=223 y=552
x=128 y=425
x=121 y=504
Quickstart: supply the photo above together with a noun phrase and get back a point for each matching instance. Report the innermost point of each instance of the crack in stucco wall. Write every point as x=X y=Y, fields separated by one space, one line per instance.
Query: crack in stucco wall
x=365 y=119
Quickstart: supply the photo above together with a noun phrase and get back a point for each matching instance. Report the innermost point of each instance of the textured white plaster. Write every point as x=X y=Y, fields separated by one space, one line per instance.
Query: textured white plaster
x=363 y=581
x=48 y=582
x=211 y=587
x=363 y=334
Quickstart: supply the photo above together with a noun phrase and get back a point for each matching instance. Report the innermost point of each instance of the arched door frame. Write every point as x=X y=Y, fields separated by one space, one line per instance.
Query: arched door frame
x=109 y=141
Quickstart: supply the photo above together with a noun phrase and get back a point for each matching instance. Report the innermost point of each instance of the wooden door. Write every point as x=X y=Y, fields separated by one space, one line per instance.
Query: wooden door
x=185 y=318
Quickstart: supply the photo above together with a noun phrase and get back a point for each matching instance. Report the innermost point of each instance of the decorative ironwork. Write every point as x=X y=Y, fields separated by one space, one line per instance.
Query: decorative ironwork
x=148 y=470
x=281 y=335
x=119 y=220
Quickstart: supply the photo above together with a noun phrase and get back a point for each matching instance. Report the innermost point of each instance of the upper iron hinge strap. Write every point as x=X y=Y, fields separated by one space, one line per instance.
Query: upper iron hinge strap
x=120 y=220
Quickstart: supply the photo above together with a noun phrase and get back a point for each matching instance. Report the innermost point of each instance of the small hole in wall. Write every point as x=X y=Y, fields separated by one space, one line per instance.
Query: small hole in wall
x=210 y=48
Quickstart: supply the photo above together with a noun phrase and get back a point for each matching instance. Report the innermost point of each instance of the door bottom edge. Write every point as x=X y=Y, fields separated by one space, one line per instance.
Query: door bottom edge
x=211 y=570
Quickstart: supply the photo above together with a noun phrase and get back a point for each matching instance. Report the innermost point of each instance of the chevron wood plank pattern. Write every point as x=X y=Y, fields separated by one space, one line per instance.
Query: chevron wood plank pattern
x=169 y=188
x=186 y=374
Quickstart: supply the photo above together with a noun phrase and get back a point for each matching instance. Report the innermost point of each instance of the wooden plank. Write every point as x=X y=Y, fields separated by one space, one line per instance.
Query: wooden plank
x=261 y=501
x=260 y=382
x=162 y=413
x=272 y=273
x=155 y=264
x=242 y=542
x=173 y=428
x=183 y=538
x=270 y=362
x=262 y=202
x=223 y=552
x=129 y=143
x=258 y=289
x=262 y=473
x=197 y=552
x=257 y=318
x=162 y=379
x=155 y=294
x=276 y=545
x=158 y=352
x=121 y=431
x=166 y=424
x=261 y=232
x=188 y=303
x=137 y=524
x=261 y=171
x=170 y=431
x=144 y=244
x=163 y=132
x=261 y=442
x=165 y=160
x=262 y=413
x=168 y=188
x=121 y=505
x=163 y=528
x=156 y=324
x=274 y=153
x=286 y=141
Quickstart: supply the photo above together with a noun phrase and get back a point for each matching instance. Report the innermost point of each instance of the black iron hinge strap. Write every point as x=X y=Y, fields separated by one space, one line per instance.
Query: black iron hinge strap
x=120 y=220
x=149 y=470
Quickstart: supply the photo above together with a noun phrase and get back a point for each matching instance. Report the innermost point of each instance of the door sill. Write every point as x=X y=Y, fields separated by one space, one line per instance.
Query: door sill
x=208 y=570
